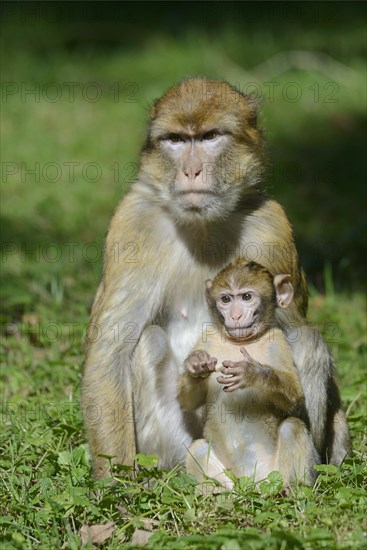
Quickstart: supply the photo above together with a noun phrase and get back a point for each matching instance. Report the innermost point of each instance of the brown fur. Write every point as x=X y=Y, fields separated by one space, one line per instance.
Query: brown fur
x=267 y=424
x=129 y=381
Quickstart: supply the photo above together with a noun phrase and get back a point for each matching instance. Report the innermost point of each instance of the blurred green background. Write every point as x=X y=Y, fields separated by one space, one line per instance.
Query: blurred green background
x=77 y=79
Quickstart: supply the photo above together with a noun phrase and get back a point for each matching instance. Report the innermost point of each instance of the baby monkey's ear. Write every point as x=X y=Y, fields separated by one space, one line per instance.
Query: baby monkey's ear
x=283 y=289
x=208 y=284
x=208 y=296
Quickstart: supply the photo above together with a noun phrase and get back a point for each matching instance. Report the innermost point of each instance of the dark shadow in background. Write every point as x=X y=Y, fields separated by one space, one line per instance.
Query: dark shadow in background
x=337 y=199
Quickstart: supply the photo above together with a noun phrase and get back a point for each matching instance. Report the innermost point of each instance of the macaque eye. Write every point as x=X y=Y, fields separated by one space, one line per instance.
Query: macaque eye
x=175 y=138
x=225 y=299
x=208 y=136
x=247 y=296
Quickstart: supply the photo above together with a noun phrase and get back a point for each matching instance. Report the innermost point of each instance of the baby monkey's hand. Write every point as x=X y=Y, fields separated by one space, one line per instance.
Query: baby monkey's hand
x=241 y=374
x=199 y=364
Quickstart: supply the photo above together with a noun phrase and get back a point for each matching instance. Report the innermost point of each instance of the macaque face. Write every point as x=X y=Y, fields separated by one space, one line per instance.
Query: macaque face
x=240 y=310
x=196 y=157
x=244 y=297
x=203 y=149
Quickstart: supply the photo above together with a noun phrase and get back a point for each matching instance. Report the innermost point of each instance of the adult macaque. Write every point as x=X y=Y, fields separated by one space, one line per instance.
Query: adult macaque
x=197 y=203
x=255 y=413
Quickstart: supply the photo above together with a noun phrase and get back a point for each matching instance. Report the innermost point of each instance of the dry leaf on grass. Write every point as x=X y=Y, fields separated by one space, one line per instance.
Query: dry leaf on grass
x=96 y=534
x=149 y=524
x=140 y=537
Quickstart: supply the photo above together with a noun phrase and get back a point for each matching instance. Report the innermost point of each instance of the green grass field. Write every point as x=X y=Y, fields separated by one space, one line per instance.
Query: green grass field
x=69 y=150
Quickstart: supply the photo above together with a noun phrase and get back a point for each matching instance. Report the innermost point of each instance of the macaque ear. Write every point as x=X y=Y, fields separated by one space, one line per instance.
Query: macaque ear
x=153 y=110
x=208 y=284
x=284 y=290
x=254 y=104
x=208 y=287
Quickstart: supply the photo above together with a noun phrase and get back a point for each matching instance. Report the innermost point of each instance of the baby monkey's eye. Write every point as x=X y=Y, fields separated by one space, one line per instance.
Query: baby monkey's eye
x=247 y=296
x=175 y=138
x=212 y=134
x=225 y=299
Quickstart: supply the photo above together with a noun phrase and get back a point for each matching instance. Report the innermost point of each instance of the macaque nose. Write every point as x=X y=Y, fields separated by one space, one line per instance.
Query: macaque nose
x=192 y=172
x=192 y=165
x=236 y=315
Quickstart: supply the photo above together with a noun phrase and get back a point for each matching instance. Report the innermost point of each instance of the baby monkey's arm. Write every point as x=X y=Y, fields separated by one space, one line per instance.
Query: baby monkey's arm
x=193 y=383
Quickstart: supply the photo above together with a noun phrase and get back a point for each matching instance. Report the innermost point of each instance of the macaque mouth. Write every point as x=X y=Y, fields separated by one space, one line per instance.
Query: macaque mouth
x=246 y=326
x=196 y=192
x=237 y=328
x=196 y=200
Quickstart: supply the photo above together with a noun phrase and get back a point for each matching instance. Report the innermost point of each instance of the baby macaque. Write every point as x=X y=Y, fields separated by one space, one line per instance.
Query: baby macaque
x=255 y=419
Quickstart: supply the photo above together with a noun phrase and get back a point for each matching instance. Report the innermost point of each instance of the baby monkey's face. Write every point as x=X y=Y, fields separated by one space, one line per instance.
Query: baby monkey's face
x=240 y=309
x=244 y=297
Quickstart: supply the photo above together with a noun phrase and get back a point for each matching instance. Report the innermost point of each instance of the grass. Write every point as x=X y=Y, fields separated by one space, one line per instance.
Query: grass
x=53 y=225
x=47 y=490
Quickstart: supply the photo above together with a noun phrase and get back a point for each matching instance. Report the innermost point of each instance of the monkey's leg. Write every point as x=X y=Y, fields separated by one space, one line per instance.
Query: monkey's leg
x=201 y=461
x=296 y=454
x=161 y=426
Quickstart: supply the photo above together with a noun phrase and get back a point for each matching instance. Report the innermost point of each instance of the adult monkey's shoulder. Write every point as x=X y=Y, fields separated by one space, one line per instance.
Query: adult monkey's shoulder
x=267 y=237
